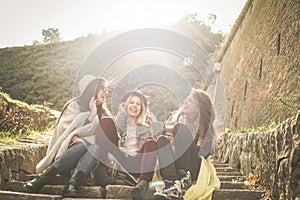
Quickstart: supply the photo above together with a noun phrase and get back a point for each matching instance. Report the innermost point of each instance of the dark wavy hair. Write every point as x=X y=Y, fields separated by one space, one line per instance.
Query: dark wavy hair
x=84 y=98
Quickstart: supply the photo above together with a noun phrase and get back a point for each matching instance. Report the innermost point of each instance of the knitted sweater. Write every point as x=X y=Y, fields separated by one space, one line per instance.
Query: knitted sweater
x=71 y=123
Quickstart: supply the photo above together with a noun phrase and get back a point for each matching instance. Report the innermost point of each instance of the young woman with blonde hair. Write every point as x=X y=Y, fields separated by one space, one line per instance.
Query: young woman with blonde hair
x=131 y=141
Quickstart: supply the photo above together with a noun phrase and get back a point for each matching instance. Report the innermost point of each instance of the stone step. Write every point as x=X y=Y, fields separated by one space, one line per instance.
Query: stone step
x=237 y=194
x=97 y=191
x=9 y=195
x=124 y=192
x=225 y=169
x=229 y=173
x=230 y=178
x=220 y=165
x=81 y=199
x=118 y=192
x=84 y=191
x=232 y=185
x=230 y=190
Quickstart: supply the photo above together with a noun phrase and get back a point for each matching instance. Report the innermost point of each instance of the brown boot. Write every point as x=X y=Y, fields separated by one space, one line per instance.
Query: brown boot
x=102 y=178
x=139 y=191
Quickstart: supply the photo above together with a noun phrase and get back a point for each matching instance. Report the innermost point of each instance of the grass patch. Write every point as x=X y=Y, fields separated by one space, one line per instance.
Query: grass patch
x=251 y=129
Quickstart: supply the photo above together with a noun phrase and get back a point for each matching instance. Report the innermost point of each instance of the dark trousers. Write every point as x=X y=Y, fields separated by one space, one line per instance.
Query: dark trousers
x=141 y=165
x=185 y=156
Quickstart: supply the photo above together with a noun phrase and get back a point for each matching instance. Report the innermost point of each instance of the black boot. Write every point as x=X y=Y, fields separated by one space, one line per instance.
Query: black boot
x=40 y=180
x=102 y=178
x=71 y=189
x=139 y=191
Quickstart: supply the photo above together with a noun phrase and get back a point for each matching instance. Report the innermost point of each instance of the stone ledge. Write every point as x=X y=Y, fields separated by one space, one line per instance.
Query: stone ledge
x=20 y=159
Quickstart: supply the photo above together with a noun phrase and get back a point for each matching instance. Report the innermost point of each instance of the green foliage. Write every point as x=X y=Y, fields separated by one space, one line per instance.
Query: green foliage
x=212 y=17
x=7 y=137
x=39 y=73
x=18 y=119
x=51 y=35
x=35 y=42
x=252 y=129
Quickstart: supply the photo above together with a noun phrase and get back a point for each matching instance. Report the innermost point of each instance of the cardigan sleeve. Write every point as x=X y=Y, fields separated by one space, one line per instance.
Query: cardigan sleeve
x=65 y=120
x=87 y=129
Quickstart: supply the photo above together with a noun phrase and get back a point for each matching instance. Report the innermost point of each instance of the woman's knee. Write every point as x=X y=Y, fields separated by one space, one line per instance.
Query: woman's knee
x=181 y=132
x=180 y=128
x=162 y=141
x=107 y=125
x=108 y=132
x=95 y=148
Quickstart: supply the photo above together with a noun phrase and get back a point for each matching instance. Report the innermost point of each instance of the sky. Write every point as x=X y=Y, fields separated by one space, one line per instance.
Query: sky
x=22 y=21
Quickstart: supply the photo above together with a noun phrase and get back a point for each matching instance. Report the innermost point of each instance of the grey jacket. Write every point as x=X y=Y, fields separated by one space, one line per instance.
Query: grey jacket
x=143 y=132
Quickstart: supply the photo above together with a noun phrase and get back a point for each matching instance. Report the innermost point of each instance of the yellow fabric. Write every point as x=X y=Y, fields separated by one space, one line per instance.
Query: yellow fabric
x=156 y=175
x=207 y=182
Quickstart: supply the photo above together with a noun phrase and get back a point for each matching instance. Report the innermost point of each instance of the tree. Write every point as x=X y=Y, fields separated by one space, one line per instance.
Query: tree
x=35 y=42
x=51 y=35
x=212 y=18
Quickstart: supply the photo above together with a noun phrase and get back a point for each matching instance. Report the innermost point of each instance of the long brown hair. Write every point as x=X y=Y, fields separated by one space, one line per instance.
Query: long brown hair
x=207 y=114
x=84 y=98
x=206 y=117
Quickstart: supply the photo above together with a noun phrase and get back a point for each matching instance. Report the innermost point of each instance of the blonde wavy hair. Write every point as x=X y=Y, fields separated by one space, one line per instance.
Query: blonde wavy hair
x=141 y=118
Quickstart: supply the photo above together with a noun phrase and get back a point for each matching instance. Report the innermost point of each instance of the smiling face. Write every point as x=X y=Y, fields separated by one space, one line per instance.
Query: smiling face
x=134 y=107
x=190 y=104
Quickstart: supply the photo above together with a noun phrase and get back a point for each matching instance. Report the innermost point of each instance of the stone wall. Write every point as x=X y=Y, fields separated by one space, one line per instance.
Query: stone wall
x=260 y=64
x=272 y=155
x=16 y=161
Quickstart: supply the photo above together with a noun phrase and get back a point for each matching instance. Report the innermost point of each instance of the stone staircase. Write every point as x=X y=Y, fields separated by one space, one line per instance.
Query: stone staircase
x=232 y=188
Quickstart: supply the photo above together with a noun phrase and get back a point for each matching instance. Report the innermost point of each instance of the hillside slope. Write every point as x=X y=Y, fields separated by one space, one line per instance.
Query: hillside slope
x=18 y=119
x=39 y=73
x=34 y=74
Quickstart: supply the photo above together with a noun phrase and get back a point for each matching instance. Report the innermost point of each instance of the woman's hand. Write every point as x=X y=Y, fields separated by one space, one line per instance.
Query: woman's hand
x=74 y=139
x=170 y=137
x=151 y=118
x=122 y=107
x=93 y=108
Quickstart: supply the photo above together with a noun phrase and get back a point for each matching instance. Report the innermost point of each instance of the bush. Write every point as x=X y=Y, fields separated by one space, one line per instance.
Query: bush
x=18 y=119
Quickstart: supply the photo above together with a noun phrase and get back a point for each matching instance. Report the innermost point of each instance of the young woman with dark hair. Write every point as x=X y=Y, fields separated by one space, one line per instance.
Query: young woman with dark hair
x=72 y=145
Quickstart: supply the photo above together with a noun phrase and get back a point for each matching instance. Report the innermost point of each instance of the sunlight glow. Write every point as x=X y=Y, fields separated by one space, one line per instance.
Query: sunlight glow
x=81 y=17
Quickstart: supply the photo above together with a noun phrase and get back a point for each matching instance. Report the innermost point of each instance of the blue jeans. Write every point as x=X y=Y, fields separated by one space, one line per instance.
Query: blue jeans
x=68 y=160
x=77 y=156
